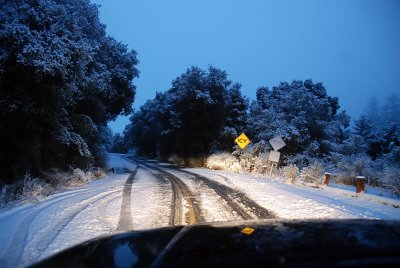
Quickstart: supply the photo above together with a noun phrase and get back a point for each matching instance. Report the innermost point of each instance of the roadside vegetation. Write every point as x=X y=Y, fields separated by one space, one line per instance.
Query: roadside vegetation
x=195 y=122
x=62 y=78
x=30 y=189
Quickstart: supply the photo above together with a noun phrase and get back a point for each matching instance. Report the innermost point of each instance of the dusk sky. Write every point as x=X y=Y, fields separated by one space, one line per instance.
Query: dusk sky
x=351 y=46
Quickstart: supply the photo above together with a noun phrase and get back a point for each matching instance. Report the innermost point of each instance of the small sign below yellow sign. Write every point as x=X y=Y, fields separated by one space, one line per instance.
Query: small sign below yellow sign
x=248 y=230
x=242 y=141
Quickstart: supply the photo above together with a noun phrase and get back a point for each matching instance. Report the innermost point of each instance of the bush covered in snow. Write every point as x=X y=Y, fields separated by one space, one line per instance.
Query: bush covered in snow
x=220 y=161
x=391 y=179
x=290 y=173
x=195 y=162
x=30 y=188
x=261 y=163
x=246 y=160
x=346 y=167
x=313 y=173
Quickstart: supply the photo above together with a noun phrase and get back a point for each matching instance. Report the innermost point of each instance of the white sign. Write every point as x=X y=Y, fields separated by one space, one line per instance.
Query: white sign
x=274 y=156
x=277 y=143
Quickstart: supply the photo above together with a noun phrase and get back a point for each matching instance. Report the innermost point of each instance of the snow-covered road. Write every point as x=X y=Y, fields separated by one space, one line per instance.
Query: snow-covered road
x=154 y=195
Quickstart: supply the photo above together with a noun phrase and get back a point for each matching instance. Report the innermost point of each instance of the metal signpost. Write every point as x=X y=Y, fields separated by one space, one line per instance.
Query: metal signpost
x=276 y=143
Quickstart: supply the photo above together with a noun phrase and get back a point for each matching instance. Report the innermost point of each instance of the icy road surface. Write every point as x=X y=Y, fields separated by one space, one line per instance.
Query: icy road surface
x=153 y=195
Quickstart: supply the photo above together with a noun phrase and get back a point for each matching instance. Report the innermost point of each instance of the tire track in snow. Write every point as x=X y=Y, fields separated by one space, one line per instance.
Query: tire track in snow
x=180 y=192
x=103 y=217
x=52 y=231
x=12 y=254
x=176 y=200
x=245 y=207
x=125 y=218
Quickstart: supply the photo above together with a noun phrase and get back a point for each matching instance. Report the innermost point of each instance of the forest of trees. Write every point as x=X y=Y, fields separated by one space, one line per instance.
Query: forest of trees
x=203 y=112
x=61 y=80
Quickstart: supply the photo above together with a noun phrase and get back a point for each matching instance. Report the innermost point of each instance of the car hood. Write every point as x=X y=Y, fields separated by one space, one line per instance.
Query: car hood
x=284 y=243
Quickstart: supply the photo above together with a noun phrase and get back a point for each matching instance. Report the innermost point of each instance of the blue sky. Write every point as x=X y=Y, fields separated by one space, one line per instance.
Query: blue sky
x=352 y=46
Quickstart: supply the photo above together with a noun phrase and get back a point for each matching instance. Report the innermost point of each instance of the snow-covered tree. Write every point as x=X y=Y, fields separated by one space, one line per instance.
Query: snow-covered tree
x=61 y=79
x=195 y=115
x=301 y=113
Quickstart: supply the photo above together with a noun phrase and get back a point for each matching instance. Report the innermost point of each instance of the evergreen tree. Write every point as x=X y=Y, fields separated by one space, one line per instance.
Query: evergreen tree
x=61 y=80
x=302 y=113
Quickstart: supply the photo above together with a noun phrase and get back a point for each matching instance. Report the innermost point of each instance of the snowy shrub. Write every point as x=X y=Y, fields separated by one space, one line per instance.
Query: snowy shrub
x=245 y=161
x=53 y=180
x=78 y=178
x=194 y=162
x=33 y=187
x=313 y=173
x=26 y=189
x=220 y=161
x=261 y=163
x=5 y=195
x=97 y=173
x=235 y=167
x=350 y=166
x=176 y=160
x=290 y=173
x=391 y=179
x=259 y=148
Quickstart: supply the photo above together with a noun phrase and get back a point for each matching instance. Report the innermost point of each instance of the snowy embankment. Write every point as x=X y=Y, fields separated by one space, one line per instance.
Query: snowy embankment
x=32 y=232
x=301 y=202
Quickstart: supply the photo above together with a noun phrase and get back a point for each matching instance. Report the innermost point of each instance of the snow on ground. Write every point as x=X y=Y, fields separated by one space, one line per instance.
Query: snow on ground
x=151 y=201
x=214 y=208
x=299 y=202
x=31 y=232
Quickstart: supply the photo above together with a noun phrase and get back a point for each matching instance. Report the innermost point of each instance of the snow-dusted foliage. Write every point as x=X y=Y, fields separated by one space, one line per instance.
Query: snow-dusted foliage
x=29 y=188
x=221 y=161
x=313 y=173
x=290 y=173
x=301 y=113
x=201 y=113
x=61 y=79
x=347 y=168
x=391 y=178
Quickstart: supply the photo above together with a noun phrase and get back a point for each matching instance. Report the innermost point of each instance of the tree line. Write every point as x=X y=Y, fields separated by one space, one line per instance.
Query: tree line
x=204 y=111
x=61 y=80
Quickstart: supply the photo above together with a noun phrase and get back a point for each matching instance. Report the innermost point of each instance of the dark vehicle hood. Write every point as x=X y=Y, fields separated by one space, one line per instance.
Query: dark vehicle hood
x=284 y=243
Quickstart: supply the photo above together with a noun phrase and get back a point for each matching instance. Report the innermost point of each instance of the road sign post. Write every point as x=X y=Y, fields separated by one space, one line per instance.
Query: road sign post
x=276 y=143
x=274 y=158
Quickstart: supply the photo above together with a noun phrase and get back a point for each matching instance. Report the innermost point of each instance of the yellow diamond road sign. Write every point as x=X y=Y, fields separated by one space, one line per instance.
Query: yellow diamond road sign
x=247 y=230
x=242 y=141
